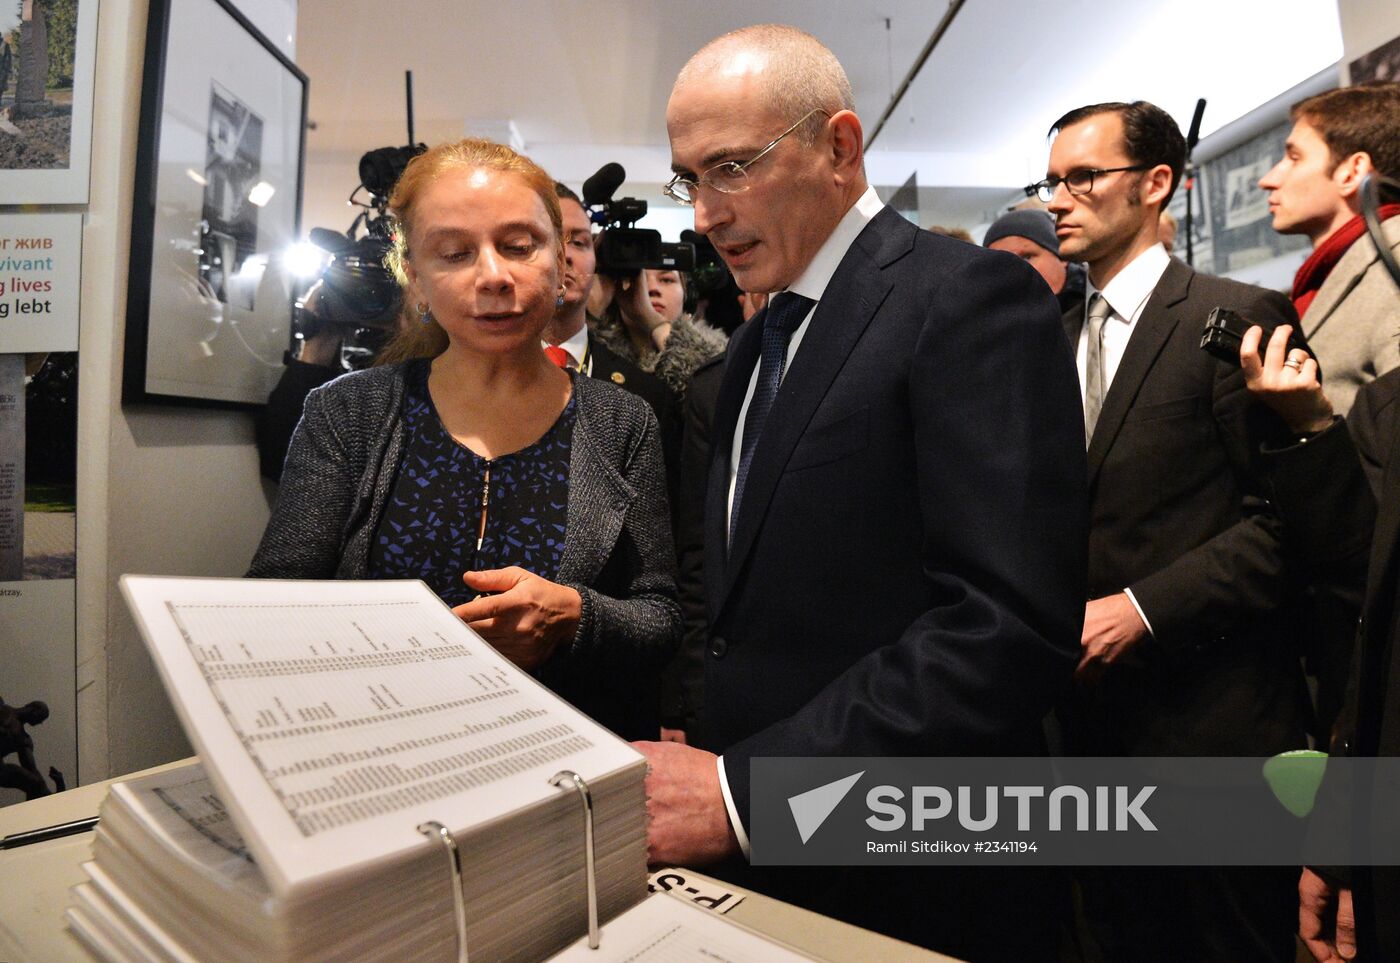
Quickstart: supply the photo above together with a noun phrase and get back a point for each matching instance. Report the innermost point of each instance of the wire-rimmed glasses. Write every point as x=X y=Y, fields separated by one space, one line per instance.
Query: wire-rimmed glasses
x=730 y=177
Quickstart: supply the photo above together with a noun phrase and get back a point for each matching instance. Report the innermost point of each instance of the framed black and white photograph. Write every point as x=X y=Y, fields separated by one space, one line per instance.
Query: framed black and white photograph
x=47 y=51
x=218 y=200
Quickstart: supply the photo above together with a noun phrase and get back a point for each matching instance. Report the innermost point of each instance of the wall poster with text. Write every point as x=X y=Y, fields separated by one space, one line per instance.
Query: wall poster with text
x=40 y=256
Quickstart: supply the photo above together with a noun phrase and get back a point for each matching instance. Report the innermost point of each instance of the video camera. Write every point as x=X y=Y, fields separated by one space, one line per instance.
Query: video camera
x=711 y=274
x=622 y=248
x=355 y=291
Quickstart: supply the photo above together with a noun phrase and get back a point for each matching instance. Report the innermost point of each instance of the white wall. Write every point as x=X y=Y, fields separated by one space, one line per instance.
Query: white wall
x=160 y=490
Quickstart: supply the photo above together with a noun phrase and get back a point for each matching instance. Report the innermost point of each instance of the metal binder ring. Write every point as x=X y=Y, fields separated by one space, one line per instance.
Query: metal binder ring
x=433 y=828
x=562 y=780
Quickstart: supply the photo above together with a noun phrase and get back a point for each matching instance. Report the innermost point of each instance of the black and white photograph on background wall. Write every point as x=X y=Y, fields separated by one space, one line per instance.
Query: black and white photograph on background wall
x=229 y=231
x=219 y=180
x=1383 y=63
x=46 y=77
x=1247 y=202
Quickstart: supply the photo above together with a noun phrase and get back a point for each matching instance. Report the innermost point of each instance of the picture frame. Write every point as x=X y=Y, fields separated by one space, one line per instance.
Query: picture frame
x=46 y=113
x=219 y=174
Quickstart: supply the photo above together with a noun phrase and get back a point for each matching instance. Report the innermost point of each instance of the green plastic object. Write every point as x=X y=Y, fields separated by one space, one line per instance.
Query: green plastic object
x=1294 y=778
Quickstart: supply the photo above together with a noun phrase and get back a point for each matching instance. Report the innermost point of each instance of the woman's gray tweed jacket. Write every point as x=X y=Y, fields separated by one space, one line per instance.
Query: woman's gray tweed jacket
x=340 y=474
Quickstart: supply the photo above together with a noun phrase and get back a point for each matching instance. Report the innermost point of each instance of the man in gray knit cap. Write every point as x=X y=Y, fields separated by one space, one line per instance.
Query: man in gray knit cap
x=1030 y=235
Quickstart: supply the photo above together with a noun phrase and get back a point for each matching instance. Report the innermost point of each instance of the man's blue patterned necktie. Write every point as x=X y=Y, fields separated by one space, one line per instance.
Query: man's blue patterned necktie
x=785 y=312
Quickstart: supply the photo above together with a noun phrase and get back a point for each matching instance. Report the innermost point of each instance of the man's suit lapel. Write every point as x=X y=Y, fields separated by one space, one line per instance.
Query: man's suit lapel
x=850 y=301
x=1149 y=336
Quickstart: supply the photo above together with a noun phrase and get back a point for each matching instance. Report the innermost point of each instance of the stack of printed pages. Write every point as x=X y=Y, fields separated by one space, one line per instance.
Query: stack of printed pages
x=334 y=722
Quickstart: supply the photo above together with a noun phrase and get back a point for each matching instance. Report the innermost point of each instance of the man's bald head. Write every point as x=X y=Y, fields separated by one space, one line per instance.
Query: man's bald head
x=740 y=107
x=796 y=73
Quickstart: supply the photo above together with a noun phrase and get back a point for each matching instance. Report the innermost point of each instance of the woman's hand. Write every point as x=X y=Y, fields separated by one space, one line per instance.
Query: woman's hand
x=1285 y=380
x=526 y=618
x=643 y=320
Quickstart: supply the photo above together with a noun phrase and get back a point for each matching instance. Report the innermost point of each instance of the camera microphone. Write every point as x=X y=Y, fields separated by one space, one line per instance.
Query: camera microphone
x=600 y=188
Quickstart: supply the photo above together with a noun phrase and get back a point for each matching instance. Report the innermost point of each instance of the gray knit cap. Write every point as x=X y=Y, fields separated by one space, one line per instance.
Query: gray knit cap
x=1037 y=226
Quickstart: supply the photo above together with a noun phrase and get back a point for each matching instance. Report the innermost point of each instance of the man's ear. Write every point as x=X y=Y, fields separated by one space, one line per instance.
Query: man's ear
x=1348 y=174
x=847 y=145
x=1155 y=185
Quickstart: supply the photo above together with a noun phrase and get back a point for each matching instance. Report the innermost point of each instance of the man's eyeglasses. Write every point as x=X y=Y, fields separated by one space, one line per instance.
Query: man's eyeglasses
x=731 y=177
x=1076 y=182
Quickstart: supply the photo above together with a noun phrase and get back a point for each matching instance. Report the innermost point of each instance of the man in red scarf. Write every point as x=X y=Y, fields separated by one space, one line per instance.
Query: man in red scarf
x=1350 y=310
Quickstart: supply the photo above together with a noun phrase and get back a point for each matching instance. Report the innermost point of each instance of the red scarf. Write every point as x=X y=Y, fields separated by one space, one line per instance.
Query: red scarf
x=1320 y=263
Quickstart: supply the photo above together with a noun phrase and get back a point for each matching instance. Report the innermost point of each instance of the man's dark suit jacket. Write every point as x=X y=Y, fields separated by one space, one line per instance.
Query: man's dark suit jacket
x=1179 y=514
x=1352 y=539
x=906 y=575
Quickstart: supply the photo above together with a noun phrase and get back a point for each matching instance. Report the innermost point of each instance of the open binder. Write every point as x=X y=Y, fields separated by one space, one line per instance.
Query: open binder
x=337 y=723
x=353 y=737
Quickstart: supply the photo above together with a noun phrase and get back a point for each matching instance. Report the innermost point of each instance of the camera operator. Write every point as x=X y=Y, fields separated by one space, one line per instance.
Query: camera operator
x=317 y=361
x=640 y=310
x=1350 y=539
x=347 y=315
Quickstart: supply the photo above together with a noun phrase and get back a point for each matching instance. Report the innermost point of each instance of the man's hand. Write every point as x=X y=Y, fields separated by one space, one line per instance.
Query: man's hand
x=527 y=619
x=1112 y=626
x=1326 y=922
x=689 y=825
x=1286 y=381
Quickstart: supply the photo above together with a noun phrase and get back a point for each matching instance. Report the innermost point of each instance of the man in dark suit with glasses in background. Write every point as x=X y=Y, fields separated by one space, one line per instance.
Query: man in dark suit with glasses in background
x=1189 y=641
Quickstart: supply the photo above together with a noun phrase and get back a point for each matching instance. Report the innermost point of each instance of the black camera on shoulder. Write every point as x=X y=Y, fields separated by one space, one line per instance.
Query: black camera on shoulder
x=356 y=293
x=624 y=249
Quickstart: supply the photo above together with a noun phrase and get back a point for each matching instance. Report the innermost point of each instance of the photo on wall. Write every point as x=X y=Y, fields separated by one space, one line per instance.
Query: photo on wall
x=46 y=71
x=218 y=185
x=229 y=229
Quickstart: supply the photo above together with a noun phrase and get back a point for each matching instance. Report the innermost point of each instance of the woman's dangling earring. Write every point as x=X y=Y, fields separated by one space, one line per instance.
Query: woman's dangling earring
x=424 y=315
